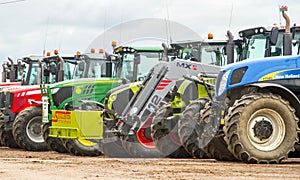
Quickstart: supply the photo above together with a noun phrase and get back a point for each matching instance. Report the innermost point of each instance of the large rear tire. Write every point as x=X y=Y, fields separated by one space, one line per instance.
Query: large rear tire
x=261 y=128
x=186 y=128
x=55 y=144
x=27 y=129
x=82 y=147
x=167 y=140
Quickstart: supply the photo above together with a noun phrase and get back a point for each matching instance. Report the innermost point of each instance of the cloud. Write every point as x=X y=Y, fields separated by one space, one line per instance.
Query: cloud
x=72 y=25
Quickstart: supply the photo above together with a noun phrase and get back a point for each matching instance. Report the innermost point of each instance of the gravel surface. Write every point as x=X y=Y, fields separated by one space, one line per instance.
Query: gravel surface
x=20 y=164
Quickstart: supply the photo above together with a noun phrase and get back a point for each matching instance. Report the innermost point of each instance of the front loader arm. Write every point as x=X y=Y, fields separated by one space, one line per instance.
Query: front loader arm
x=158 y=83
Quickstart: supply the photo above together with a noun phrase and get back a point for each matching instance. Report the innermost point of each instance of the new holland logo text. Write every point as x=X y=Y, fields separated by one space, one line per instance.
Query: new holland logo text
x=187 y=65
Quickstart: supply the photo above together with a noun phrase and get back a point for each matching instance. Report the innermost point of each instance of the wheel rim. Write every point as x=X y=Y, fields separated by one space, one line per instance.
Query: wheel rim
x=266 y=129
x=34 y=130
x=144 y=135
x=86 y=142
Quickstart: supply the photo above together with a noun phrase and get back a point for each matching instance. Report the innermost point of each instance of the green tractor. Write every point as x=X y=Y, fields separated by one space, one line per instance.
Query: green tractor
x=76 y=106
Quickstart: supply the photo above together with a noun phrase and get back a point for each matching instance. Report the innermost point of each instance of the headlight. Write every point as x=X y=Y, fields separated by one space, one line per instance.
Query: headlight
x=223 y=83
x=113 y=97
x=54 y=90
x=120 y=82
x=133 y=111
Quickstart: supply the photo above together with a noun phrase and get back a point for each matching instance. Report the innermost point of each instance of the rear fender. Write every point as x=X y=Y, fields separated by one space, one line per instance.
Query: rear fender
x=280 y=90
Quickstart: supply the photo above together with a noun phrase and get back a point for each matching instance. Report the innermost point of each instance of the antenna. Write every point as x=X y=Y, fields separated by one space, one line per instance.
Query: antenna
x=46 y=34
x=61 y=37
x=167 y=32
x=104 y=26
x=230 y=18
x=279 y=13
x=168 y=23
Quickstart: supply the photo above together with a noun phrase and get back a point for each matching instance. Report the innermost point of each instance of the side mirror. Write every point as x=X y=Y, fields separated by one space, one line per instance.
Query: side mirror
x=224 y=50
x=81 y=66
x=273 y=36
x=165 y=54
x=294 y=31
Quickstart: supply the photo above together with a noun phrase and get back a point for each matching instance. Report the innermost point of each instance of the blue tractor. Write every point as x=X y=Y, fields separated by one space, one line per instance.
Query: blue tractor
x=254 y=116
x=256 y=110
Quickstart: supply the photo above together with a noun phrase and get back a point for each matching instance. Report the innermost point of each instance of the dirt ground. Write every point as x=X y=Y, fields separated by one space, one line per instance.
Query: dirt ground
x=20 y=164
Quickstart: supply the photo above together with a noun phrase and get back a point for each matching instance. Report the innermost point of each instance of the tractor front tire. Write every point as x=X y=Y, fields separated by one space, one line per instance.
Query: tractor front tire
x=217 y=147
x=137 y=150
x=163 y=137
x=186 y=127
x=261 y=128
x=111 y=145
x=27 y=129
x=54 y=144
x=82 y=147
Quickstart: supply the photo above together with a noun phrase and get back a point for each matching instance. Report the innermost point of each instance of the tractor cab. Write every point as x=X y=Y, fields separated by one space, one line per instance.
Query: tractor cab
x=9 y=73
x=29 y=69
x=92 y=65
x=133 y=63
x=261 y=42
x=35 y=70
x=207 y=52
x=20 y=73
x=57 y=68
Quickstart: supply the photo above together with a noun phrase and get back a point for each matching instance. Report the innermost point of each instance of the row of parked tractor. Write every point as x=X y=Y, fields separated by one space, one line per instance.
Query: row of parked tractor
x=235 y=99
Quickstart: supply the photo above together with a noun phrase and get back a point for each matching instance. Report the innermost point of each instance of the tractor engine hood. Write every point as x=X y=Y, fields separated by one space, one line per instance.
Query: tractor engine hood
x=257 y=70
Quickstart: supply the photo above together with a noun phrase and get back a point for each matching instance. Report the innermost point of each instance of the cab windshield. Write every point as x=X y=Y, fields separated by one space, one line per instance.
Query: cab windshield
x=213 y=54
x=92 y=68
x=96 y=69
x=33 y=76
x=21 y=71
x=124 y=69
x=255 y=46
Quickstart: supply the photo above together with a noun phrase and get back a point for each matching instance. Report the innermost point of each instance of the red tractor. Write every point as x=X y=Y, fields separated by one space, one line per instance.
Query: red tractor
x=39 y=70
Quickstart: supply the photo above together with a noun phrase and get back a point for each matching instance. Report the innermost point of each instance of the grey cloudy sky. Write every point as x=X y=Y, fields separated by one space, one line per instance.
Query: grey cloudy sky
x=70 y=25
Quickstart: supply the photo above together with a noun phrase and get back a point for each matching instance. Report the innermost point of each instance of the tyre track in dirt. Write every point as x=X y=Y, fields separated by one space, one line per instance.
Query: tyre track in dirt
x=17 y=164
